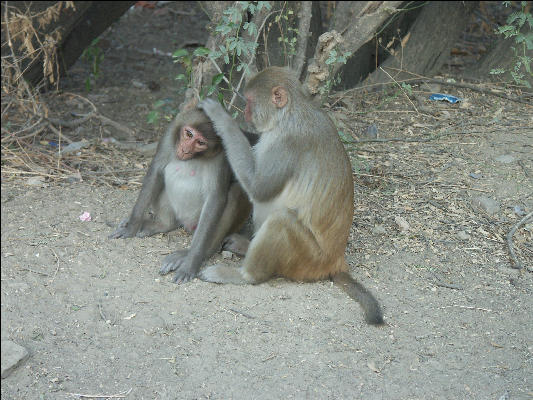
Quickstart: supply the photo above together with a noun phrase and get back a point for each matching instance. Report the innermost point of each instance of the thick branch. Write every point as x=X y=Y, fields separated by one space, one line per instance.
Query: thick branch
x=304 y=18
x=361 y=27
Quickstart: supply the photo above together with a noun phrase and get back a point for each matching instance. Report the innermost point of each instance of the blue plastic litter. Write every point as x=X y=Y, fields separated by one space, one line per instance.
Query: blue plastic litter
x=445 y=97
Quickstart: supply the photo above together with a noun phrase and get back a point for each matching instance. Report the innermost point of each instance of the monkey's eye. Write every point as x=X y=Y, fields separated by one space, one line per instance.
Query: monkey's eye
x=188 y=133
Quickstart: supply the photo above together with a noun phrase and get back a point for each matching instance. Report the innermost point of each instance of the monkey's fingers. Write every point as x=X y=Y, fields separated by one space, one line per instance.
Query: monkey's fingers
x=121 y=233
x=214 y=110
x=184 y=275
x=173 y=261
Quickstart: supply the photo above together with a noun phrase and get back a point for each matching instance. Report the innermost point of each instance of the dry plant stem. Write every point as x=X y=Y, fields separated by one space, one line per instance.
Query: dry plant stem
x=257 y=20
x=401 y=88
x=479 y=90
x=420 y=78
x=71 y=124
x=120 y=395
x=517 y=264
x=60 y=134
x=303 y=34
x=427 y=139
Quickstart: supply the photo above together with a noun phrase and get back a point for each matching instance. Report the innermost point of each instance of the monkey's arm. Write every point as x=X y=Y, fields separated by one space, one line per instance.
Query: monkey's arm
x=205 y=240
x=259 y=185
x=153 y=184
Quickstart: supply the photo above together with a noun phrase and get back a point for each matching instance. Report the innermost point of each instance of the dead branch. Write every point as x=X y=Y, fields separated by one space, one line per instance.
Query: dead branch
x=417 y=78
x=517 y=264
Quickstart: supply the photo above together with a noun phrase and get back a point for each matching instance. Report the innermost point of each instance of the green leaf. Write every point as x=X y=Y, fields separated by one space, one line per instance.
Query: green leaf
x=152 y=117
x=217 y=79
x=211 y=90
x=180 y=53
x=497 y=71
x=201 y=52
x=181 y=77
x=88 y=84
x=265 y=4
x=159 y=103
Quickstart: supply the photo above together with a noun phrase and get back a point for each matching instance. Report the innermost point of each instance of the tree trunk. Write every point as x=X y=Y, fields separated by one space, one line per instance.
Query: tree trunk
x=427 y=45
x=500 y=55
x=71 y=30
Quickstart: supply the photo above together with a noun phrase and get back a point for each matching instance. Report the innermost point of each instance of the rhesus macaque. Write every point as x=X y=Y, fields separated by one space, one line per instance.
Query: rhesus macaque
x=299 y=179
x=189 y=184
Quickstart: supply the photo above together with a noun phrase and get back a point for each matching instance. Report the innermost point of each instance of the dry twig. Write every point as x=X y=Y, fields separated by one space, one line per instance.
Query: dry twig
x=517 y=264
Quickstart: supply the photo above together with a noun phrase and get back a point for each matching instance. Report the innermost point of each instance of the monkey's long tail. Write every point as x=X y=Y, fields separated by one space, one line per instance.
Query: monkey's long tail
x=359 y=293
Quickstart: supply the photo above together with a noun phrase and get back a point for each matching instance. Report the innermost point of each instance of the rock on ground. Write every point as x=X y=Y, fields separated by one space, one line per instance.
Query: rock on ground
x=12 y=356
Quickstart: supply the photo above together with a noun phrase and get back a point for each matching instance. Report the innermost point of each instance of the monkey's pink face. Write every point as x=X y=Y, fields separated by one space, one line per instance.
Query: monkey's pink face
x=191 y=141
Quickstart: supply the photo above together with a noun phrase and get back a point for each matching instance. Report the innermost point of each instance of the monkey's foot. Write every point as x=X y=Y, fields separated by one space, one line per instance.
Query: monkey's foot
x=179 y=262
x=220 y=273
x=123 y=230
x=173 y=261
x=236 y=243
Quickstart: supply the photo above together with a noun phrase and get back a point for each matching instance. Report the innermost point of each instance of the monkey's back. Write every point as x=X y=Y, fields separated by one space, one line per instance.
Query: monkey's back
x=321 y=187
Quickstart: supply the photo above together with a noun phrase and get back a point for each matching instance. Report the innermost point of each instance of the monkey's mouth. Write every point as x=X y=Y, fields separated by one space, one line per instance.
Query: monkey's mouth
x=184 y=156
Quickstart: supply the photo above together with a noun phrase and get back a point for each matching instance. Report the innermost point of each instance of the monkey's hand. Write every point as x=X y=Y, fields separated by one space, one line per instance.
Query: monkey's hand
x=216 y=113
x=124 y=230
x=179 y=262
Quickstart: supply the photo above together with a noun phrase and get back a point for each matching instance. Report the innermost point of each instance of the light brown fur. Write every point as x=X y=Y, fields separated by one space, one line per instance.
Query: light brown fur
x=299 y=179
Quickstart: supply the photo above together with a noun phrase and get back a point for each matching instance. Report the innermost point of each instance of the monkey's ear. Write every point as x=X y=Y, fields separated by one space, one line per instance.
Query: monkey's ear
x=280 y=97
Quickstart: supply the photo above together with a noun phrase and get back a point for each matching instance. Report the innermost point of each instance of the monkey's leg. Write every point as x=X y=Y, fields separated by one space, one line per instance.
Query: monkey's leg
x=235 y=214
x=283 y=246
x=164 y=219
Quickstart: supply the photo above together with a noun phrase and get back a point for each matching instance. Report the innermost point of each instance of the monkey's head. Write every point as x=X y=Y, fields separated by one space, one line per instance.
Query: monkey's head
x=196 y=137
x=269 y=96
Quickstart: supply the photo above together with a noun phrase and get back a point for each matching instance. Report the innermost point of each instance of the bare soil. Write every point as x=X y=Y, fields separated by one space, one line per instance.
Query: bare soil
x=97 y=319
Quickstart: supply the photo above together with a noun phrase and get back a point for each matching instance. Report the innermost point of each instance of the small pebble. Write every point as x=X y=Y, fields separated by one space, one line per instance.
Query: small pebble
x=402 y=223
x=490 y=206
x=505 y=158
x=463 y=235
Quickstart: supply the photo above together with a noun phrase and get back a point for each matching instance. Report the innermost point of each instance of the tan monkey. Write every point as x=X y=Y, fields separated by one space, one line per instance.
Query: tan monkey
x=299 y=179
x=190 y=184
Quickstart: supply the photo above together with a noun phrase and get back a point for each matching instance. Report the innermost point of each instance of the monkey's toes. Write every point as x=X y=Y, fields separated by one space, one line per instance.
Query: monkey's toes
x=120 y=233
x=167 y=267
x=183 y=276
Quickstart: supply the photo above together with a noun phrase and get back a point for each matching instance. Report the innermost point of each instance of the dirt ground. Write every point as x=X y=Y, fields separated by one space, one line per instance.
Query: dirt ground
x=98 y=319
